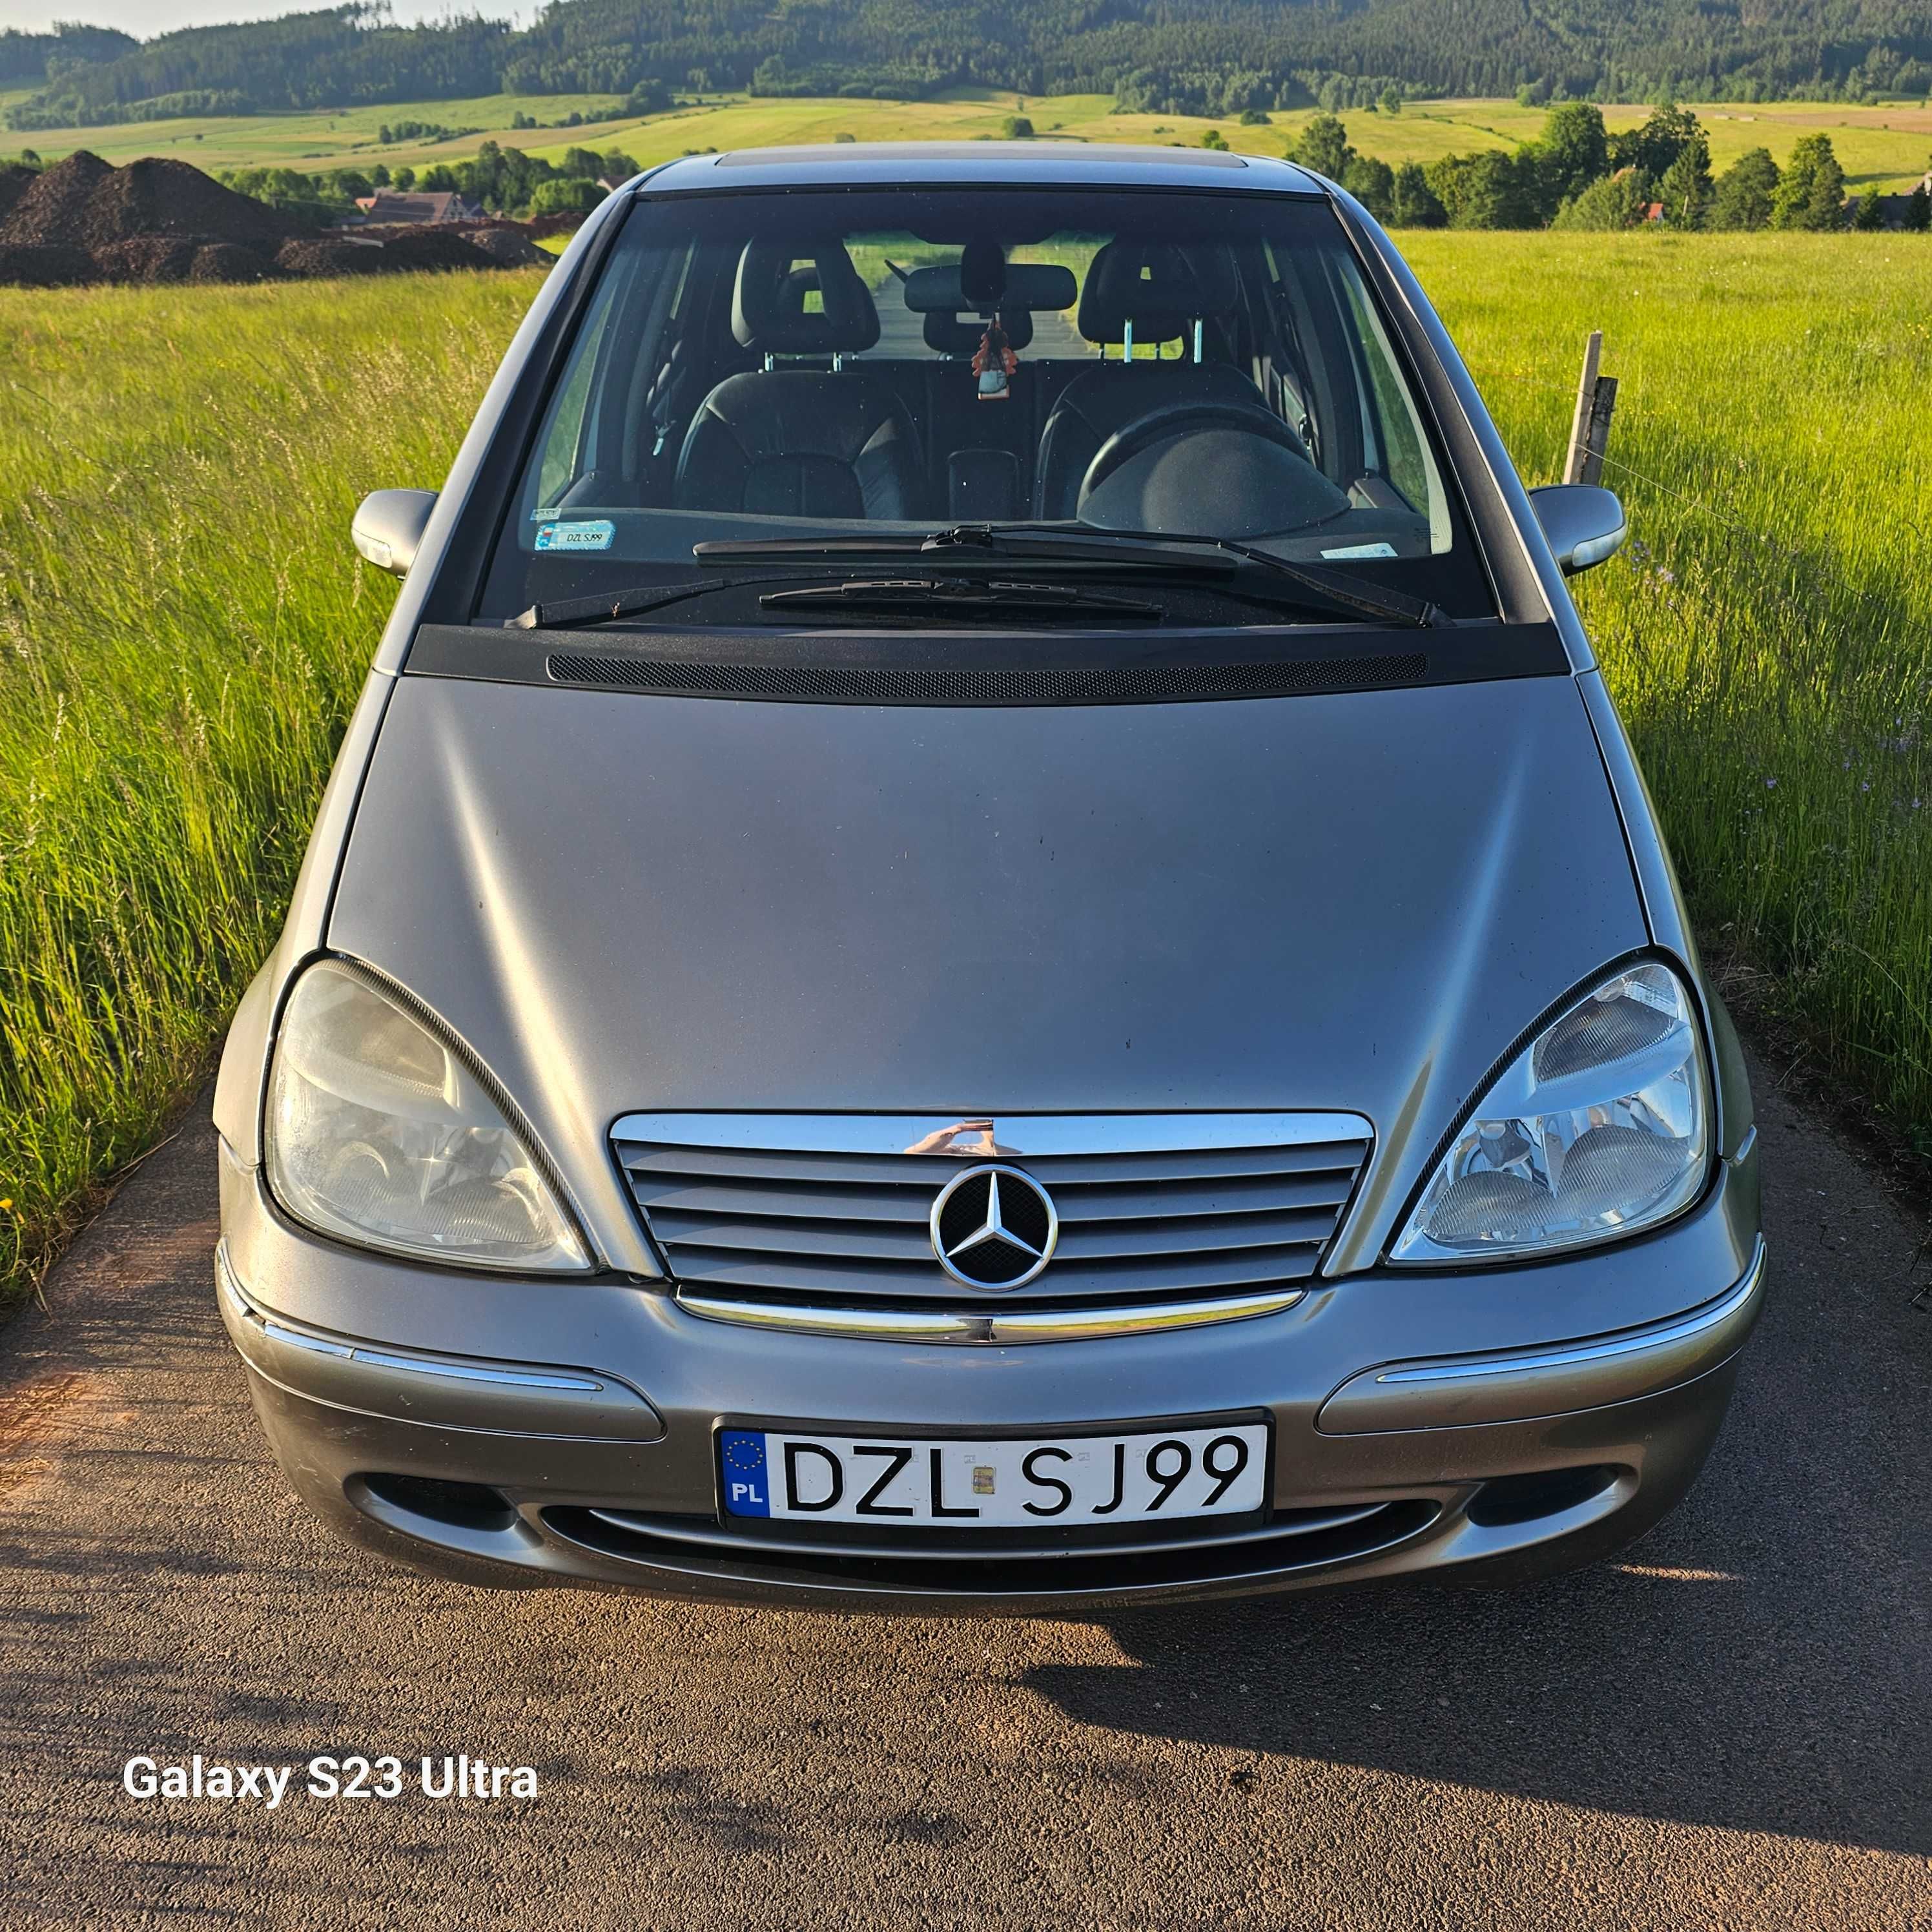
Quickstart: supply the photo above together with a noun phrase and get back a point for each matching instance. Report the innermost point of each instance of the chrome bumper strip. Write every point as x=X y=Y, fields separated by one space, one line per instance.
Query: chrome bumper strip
x=274 y=1329
x=1000 y=1327
x=1456 y=1391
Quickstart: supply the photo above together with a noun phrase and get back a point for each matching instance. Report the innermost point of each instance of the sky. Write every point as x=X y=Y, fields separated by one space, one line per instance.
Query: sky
x=147 y=18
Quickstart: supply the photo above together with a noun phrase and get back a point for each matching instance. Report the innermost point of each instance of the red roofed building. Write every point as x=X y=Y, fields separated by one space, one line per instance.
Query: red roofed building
x=388 y=205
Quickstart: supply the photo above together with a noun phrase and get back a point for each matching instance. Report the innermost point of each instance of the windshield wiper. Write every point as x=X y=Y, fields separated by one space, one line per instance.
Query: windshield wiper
x=970 y=596
x=1144 y=549
x=569 y=612
x=1340 y=587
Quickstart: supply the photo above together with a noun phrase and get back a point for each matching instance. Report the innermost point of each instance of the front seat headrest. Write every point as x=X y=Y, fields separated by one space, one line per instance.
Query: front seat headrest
x=1158 y=286
x=955 y=335
x=768 y=311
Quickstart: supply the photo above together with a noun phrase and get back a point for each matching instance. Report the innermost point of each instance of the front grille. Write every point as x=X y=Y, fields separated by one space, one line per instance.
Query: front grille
x=1292 y=1539
x=835 y=1208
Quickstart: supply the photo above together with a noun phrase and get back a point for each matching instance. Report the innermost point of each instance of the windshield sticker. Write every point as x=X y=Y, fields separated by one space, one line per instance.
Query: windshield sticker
x=1352 y=550
x=584 y=536
x=546 y=516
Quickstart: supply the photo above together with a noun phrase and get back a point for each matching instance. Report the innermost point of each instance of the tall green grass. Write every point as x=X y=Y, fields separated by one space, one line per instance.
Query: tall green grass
x=182 y=628
x=1769 y=632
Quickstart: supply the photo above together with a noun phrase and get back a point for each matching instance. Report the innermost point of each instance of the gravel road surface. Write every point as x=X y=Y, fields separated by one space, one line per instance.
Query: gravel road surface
x=1729 y=1728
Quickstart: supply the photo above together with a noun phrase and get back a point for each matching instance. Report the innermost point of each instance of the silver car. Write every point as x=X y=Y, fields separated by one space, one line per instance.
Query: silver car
x=984 y=939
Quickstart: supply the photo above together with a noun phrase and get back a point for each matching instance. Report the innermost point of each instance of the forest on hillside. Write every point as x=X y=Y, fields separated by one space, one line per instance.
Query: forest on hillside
x=1172 y=56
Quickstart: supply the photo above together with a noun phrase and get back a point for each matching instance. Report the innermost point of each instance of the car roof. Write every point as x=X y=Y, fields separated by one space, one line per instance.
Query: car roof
x=970 y=164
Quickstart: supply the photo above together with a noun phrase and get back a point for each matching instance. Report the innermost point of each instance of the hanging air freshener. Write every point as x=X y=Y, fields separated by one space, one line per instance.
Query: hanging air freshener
x=993 y=363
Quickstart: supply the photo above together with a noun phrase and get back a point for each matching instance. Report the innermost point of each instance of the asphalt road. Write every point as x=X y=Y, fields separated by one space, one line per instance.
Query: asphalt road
x=1727 y=1728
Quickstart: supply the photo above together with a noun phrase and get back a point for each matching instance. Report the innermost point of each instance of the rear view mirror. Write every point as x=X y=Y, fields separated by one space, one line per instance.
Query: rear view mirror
x=389 y=525
x=1585 y=525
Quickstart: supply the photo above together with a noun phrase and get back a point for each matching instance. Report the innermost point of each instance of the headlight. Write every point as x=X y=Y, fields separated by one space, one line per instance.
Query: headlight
x=1600 y=1127
x=378 y=1133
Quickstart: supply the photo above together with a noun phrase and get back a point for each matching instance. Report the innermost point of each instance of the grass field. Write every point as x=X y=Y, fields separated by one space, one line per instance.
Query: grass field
x=1888 y=147
x=182 y=628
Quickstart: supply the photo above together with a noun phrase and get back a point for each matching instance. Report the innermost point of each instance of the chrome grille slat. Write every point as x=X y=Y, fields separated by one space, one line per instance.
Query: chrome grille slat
x=826 y=1204
x=1174 y=1206
x=1132 y=1170
x=1240 y=1267
x=1192 y=1234
x=1167 y=1199
x=884 y=1241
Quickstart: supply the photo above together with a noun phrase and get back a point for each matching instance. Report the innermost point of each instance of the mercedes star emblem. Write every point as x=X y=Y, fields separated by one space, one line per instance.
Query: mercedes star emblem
x=994 y=1228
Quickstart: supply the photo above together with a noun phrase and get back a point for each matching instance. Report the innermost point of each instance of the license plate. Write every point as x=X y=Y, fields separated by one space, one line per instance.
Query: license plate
x=1155 y=1476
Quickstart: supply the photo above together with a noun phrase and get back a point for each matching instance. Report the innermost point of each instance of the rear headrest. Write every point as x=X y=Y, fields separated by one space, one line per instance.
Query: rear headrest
x=958 y=335
x=1158 y=286
x=768 y=304
x=1029 y=285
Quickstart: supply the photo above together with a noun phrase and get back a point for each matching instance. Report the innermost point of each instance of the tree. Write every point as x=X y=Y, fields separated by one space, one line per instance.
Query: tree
x=1324 y=148
x=1416 y=204
x=1254 y=117
x=1488 y=189
x=1685 y=191
x=1213 y=138
x=1373 y=184
x=403 y=180
x=1812 y=193
x=1650 y=149
x=565 y=196
x=1573 y=151
x=648 y=96
x=1390 y=102
x=1869 y=214
x=1619 y=201
x=1918 y=211
x=1745 y=192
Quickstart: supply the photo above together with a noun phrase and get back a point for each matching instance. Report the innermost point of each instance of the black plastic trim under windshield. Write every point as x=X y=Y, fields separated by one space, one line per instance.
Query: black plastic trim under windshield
x=819 y=666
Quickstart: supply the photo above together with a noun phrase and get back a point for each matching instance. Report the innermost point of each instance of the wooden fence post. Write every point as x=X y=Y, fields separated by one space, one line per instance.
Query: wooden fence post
x=1590 y=427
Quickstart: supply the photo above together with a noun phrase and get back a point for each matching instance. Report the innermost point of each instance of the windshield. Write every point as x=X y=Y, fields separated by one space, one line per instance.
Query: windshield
x=834 y=366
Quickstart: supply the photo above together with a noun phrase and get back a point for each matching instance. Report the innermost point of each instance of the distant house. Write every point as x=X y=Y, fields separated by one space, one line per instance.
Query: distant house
x=1653 y=211
x=387 y=205
x=1892 y=208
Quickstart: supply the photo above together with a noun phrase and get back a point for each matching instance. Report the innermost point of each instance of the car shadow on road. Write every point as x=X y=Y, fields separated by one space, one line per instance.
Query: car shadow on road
x=1762 y=1661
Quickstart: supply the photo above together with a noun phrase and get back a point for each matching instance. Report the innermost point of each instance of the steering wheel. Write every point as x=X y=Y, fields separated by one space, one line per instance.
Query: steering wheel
x=1175 y=419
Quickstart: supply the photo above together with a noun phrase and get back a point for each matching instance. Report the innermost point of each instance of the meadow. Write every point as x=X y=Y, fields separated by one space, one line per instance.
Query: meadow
x=1887 y=147
x=183 y=627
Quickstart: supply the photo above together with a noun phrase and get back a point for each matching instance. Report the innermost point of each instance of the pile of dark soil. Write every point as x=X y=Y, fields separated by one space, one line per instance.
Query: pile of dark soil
x=230 y=262
x=51 y=211
x=14 y=182
x=161 y=221
x=158 y=196
x=328 y=255
x=508 y=244
x=26 y=267
x=431 y=247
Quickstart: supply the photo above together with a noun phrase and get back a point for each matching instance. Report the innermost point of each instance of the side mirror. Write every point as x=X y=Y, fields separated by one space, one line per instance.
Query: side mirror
x=389 y=525
x=1585 y=525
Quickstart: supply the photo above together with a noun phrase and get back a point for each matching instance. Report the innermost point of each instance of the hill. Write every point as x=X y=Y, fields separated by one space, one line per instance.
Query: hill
x=1159 y=56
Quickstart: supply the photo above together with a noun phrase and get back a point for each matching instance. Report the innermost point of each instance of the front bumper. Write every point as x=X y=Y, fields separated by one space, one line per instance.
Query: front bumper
x=1491 y=1426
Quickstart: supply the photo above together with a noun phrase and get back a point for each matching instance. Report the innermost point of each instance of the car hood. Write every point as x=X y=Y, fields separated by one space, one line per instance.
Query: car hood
x=621 y=902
